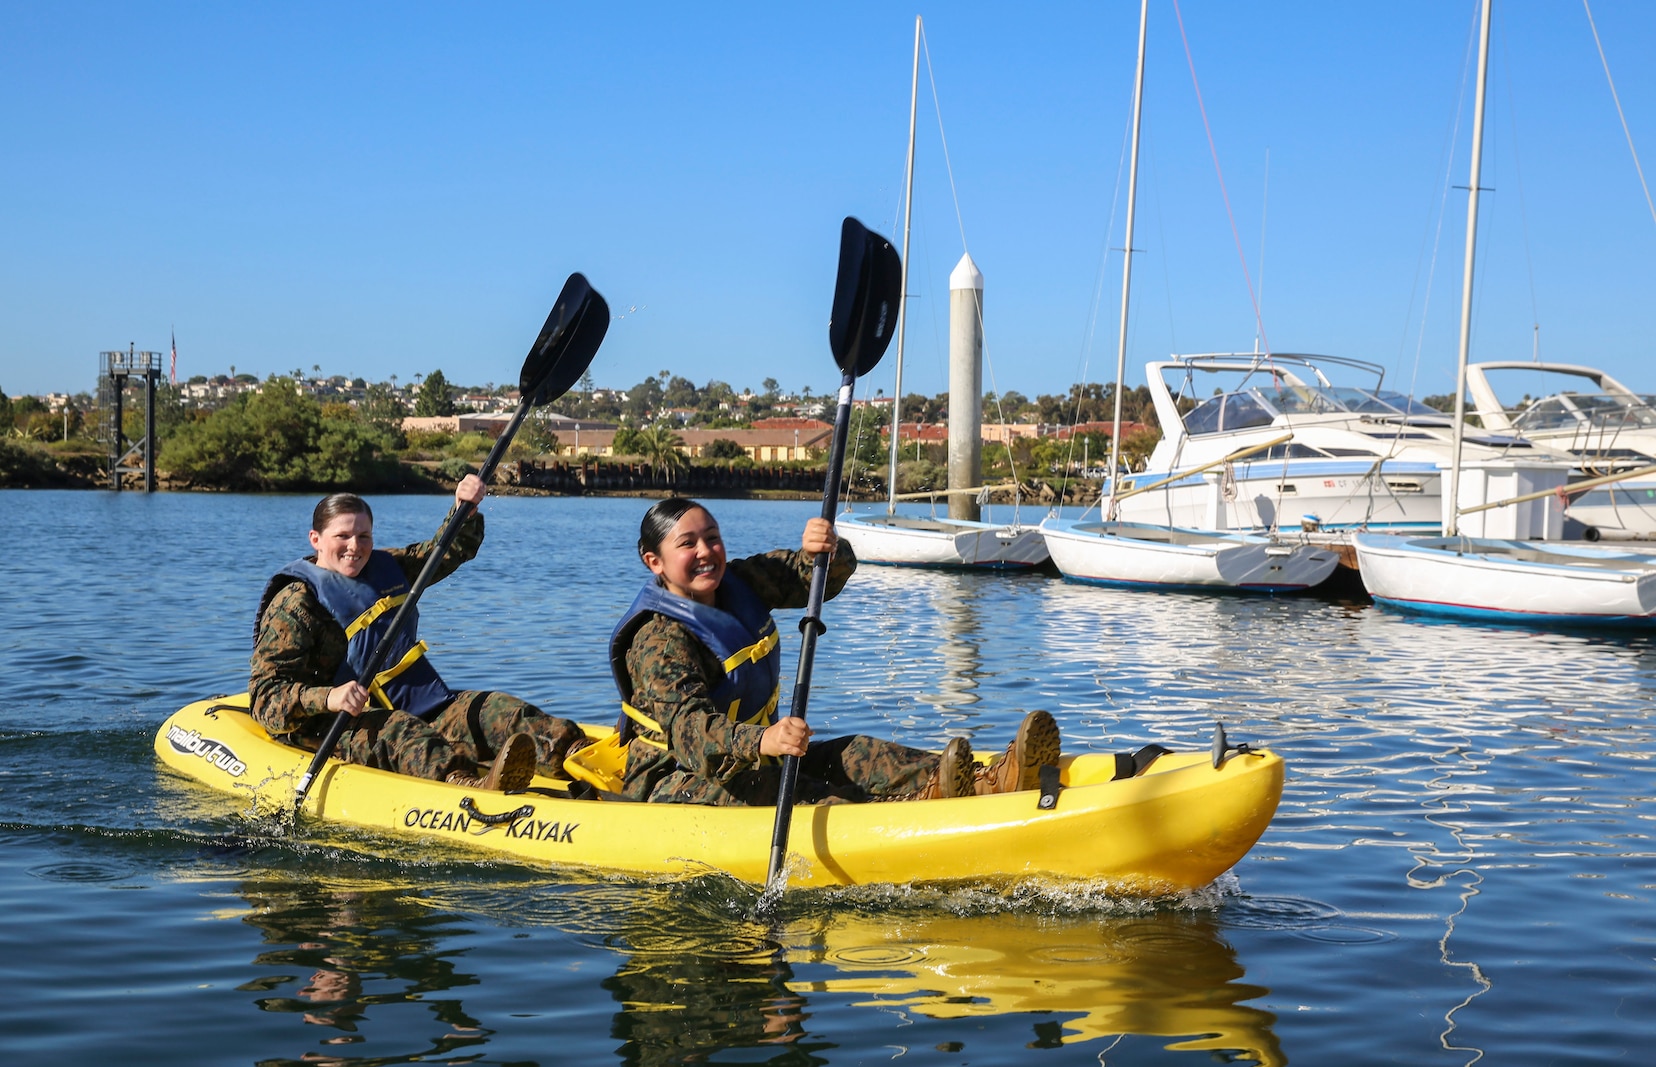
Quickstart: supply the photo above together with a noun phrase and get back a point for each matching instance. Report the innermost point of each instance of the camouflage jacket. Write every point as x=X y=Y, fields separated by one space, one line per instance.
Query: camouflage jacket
x=673 y=676
x=299 y=647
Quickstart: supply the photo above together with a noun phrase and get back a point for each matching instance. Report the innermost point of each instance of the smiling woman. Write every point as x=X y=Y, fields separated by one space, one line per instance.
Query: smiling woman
x=323 y=618
x=342 y=532
x=697 y=660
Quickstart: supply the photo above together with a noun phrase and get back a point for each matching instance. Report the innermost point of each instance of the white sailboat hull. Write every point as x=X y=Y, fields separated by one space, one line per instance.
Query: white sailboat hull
x=902 y=540
x=1139 y=554
x=1536 y=582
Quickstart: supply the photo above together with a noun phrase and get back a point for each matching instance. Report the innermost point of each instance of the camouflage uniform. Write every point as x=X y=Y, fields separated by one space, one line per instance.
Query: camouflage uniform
x=297 y=653
x=711 y=760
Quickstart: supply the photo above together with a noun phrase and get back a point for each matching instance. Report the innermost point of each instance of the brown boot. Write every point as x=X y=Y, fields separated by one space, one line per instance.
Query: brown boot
x=953 y=777
x=513 y=768
x=1037 y=743
x=555 y=768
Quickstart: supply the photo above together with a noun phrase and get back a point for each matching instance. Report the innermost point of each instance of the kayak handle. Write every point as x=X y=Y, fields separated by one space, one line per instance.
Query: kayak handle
x=470 y=808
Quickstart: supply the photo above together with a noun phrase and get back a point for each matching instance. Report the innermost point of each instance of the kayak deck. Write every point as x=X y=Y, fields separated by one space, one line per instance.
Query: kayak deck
x=1176 y=826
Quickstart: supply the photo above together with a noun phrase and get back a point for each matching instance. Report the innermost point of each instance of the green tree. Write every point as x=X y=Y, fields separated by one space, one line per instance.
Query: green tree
x=276 y=439
x=434 y=397
x=626 y=442
x=32 y=419
x=5 y=413
x=643 y=399
x=1008 y=406
x=724 y=448
x=381 y=410
x=660 y=446
x=771 y=388
x=681 y=393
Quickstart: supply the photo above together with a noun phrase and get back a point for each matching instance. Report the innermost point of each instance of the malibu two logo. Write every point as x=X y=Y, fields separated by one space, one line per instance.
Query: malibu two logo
x=191 y=743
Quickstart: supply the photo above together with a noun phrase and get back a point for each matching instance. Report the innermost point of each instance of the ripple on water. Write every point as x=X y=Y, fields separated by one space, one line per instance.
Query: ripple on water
x=77 y=871
x=1279 y=913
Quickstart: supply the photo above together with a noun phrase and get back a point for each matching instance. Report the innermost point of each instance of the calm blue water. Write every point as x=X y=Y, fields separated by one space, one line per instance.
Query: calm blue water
x=1461 y=871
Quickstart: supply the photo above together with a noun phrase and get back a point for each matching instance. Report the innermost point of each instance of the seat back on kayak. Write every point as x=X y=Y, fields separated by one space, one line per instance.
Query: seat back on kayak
x=602 y=764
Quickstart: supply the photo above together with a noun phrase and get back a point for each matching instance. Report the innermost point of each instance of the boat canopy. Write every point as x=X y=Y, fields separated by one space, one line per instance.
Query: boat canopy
x=1263 y=405
x=1566 y=411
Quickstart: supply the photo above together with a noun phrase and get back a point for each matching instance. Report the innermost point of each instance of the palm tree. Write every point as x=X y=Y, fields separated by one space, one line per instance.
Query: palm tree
x=660 y=446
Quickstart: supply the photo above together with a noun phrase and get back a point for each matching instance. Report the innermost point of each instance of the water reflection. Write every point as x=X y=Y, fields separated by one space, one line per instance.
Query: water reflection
x=932 y=630
x=1163 y=975
x=1436 y=869
x=694 y=957
x=696 y=975
x=343 y=952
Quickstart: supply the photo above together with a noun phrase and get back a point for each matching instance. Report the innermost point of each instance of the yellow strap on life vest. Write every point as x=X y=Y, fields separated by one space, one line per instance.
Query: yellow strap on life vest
x=376 y=687
x=762 y=715
x=379 y=607
x=754 y=652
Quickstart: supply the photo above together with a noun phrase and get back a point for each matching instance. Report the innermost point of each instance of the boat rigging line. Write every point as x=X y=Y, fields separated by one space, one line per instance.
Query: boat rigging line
x=1619 y=113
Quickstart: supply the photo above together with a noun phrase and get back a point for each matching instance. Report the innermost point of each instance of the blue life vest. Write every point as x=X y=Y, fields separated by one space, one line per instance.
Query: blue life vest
x=739 y=630
x=364 y=606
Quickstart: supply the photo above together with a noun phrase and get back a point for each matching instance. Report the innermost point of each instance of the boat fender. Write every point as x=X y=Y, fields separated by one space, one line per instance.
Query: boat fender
x=1051 y=784
x=1133 y=764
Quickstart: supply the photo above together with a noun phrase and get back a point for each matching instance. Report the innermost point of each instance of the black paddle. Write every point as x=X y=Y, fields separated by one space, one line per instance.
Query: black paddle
x=866 y=296
x=560 y=355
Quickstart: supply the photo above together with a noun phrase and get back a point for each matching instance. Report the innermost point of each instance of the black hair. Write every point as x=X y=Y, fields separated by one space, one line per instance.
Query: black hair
x=334 y=505
x=659 y=522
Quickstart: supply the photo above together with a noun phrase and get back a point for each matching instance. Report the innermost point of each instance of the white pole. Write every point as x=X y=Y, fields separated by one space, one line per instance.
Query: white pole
x=1451 y=506
x=965 y=386
x=1127 y=263
x=902 y=305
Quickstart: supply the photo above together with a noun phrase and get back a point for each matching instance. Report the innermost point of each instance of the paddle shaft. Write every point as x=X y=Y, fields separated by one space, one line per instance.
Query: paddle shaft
x=809 y=627
x=376 y=659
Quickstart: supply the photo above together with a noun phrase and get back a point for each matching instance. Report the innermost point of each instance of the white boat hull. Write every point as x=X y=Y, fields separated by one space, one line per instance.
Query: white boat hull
x=1139 y=554
x=1272 y=495
x=908 y=541
x=1538 y=582
x=1621 y=511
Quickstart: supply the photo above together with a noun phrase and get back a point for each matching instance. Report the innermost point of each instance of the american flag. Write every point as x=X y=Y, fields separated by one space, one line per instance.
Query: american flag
x=172 y=377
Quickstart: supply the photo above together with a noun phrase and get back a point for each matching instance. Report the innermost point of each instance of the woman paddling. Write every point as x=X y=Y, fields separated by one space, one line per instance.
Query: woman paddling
x=321 y=618
x=697 y=661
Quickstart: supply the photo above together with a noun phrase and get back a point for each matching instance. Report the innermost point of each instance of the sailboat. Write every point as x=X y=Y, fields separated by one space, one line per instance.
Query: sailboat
x=922 y=541
x=1107 y=551
x=1520 y=580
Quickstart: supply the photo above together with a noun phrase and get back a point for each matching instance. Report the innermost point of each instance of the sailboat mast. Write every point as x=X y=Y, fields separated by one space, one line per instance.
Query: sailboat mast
x=1127 y=261
x=902 y=305
x=1451 y=521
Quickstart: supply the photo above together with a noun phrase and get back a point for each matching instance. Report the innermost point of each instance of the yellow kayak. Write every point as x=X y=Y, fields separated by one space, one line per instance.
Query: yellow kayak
x=1177 y=825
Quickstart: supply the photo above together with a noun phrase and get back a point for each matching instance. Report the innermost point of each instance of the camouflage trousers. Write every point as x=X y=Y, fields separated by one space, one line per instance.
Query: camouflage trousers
x=855 y=768
x=463 y=737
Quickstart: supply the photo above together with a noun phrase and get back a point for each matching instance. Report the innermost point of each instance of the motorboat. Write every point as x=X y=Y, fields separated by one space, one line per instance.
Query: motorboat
x=1275 y=443
x=1585 y=415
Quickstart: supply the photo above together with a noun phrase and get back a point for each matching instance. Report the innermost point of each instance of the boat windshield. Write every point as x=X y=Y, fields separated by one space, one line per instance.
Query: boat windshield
x=1261 y=405
x=1305 y=400
x=1383 y=402
x=1229 y=411
x=1570 y=410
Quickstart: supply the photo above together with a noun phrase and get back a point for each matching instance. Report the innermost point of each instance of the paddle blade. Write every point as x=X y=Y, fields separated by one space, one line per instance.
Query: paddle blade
x=867 y=294
x=567 y=343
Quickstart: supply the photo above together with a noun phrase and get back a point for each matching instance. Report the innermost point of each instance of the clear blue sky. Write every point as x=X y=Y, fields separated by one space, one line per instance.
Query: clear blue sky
x=386 y=188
